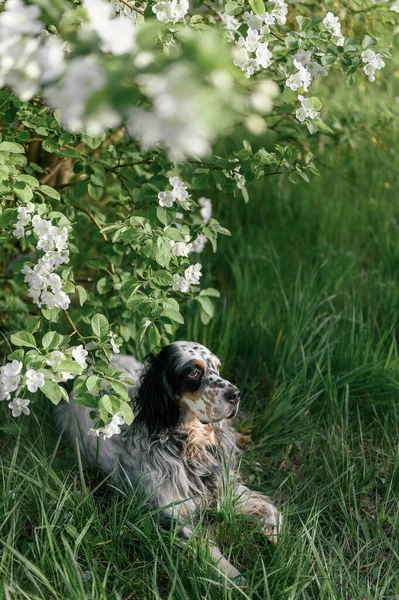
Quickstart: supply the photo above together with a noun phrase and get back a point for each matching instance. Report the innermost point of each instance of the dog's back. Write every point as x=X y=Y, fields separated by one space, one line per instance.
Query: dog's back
x=75 y=421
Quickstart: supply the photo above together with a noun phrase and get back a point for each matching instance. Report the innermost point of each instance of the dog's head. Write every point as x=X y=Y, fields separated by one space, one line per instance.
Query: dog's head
x=184 y=379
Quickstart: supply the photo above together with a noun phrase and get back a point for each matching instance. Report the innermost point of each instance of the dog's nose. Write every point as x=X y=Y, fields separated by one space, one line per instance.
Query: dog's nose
x=232 y=395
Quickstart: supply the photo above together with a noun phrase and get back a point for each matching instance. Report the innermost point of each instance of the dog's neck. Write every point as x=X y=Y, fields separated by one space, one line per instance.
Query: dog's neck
x=199 y=435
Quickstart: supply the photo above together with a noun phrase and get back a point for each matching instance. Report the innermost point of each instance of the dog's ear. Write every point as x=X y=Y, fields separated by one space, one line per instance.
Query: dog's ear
x=155 y=402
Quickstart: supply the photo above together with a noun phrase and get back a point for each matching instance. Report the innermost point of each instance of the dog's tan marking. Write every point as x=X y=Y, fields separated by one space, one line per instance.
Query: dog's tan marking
x=199 y=436
x=200 y=363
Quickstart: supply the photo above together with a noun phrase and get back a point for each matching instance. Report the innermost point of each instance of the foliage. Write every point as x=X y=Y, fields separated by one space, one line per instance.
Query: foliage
x=115 y=120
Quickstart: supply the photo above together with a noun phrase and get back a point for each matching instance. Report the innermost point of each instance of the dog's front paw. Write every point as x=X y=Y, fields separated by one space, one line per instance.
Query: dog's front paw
x=272 y=523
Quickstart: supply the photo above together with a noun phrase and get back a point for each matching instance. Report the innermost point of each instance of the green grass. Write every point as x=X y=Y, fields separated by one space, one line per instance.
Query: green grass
x=307 y=328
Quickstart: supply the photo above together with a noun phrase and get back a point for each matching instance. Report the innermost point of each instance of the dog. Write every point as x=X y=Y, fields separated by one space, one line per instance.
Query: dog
x=181 y=451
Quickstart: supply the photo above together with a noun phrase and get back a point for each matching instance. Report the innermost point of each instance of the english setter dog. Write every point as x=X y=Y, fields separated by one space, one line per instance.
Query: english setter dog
x=180 y=451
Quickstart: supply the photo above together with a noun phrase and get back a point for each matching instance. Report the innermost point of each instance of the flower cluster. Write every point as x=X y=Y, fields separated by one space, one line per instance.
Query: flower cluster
x=28 y=56
x=53 y=241
x=249 y=46
x=305 y=58
x=178 y=193
x=373 y=62
x=110 y=429
x=192 y=276
x=11 y=380
x=332 y=24
x=235 y=174
x=301 y=79
x=171 y=11
x=176 y=119
x=70 y=96
x=306 y=111
x=112 y=341
x=117 y=34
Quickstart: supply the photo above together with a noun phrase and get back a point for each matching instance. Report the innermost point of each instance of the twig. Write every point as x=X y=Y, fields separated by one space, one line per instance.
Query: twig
x=97 y=224
x=141 y=12
x=72 y=324
x=53 y=171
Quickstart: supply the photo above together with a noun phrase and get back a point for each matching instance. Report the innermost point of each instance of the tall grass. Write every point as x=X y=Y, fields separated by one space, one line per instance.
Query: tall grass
x=307 y=328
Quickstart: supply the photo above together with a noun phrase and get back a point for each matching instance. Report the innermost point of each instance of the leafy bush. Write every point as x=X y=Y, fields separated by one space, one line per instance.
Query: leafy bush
x=117 y=118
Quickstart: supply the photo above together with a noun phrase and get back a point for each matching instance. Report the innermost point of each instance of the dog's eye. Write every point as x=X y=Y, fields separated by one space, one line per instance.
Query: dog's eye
x=194 y=373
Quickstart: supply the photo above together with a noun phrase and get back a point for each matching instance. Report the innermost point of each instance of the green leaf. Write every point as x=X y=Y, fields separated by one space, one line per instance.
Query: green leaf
x=173 y=315
x=87 y=400
x=245 y=195
x=100 y=326
x=51 y=340
x=69 y=366
x=120 y=389
x=7 y=216
x=95 y=191
x=23 y=338
x=94 y=383
x=154 y=336
x=52 y=391
x=11 y=148
x=126 y=412
x=50 y=192
x=303 y=22
x=23 y=191
x=232 y=8
x=110 y=404
x=162 y=278
x=210 y=292
x=206 y=305
x=257 y=6
x=82 y=294
x=317 y=105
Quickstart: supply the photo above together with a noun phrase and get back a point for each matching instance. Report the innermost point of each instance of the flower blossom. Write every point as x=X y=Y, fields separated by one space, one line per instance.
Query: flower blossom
x=302 y=78
x=118 y=34
x=171 y=11
x=373 y=62
x=53 y=241
x=112 y=428
x=19 y=406
x=306 y=110
x=332 y=24
x=115 y=347
x=79 y=354
x=178 y=193
x=26 y=60
x=34 y=380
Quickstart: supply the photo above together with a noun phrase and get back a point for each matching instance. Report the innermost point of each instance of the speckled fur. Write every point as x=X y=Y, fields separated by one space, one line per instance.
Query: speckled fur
x=181 y=469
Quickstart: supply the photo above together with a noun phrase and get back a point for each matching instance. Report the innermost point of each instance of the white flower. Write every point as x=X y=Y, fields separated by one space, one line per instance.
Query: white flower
x=181 y=249
x=253 y=21
x=172 y=11
x=193 y=274
x=4 y=395
x=79 y=354
x=19 y=232
x=19 y=406
x=166 y=199
x=95 y=432
x=198 y=245
x=30 y=207
x=180 y=284
x=206 y=208
x=65 y=376
x=117 y=35
x=373 y=62
x=306 y=110
x=113 y=428
x=55 y=357
x=115 y=347
x=262 y=97
x=11 y=369
x=263 y=55
x=332 y=24
x=34 y=380
x=395 y=6
x=302 y=78
x=70 y=96
x=11 y=383
x=23 y=217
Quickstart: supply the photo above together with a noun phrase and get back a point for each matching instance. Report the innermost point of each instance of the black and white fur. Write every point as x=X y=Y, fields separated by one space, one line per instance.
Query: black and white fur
x=180 y=451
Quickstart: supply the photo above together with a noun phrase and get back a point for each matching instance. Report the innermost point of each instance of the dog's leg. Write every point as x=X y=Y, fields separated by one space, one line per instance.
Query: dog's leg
x=182 y=513
x=257 y=505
